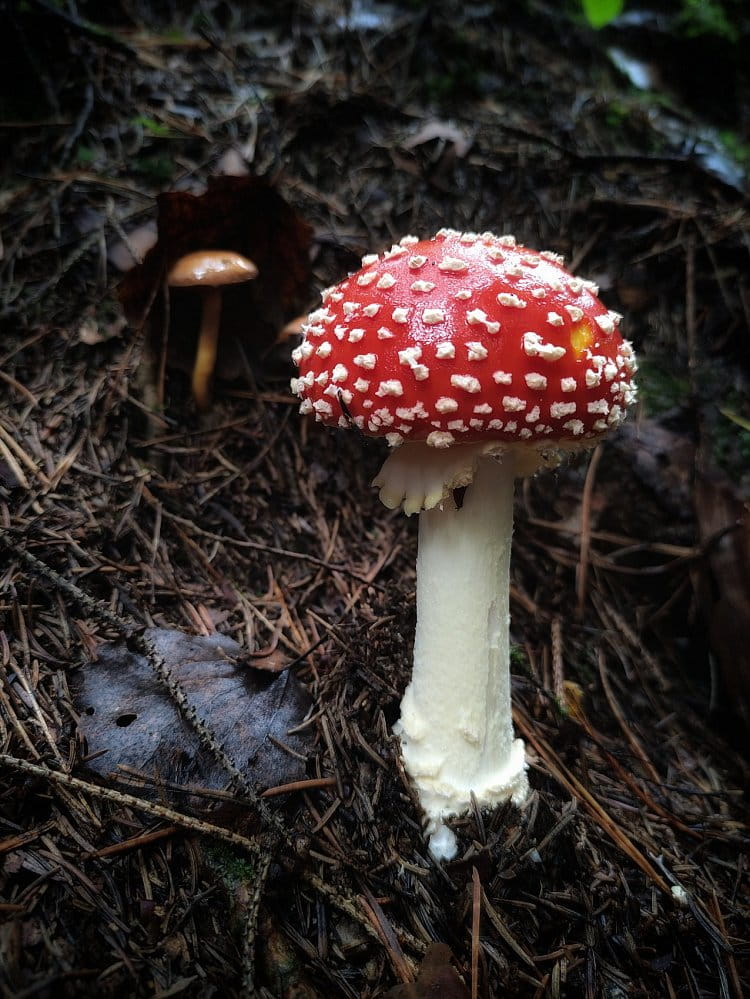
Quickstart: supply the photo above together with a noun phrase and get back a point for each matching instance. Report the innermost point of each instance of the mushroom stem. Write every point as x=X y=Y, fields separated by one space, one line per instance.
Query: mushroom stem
x=456 y=726
x=208 y=340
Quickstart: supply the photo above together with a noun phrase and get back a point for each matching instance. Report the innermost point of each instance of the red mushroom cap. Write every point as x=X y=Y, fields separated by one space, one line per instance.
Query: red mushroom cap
x=461 y=338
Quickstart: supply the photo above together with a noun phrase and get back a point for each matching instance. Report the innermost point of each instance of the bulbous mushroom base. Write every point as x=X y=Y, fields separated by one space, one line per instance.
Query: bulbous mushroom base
x=441 y=798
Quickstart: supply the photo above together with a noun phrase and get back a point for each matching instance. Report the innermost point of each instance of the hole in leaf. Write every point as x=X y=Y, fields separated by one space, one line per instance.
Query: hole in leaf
x=127 y=719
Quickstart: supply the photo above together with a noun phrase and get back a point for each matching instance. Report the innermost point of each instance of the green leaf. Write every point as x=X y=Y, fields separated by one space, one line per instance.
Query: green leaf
x=154 y=127
x=601 y=12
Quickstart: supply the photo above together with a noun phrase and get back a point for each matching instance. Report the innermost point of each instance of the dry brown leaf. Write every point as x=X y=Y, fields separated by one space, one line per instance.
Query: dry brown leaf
x=724 y=526
x=437 y=978
x=128 y=718
x=243 y=214
x=125 y=254
x=445 y=131
x=271 y=661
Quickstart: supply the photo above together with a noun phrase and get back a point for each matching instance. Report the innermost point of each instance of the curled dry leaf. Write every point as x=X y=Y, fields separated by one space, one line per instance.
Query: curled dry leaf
x=232 y=164
x=270 y=660
x=446 y=131
x=241 y=214
x=724 y=527
x=130 y=721
x=662 y=460
x=125 y=254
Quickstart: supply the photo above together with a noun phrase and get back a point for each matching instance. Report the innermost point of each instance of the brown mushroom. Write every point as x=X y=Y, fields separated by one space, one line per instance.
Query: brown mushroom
x=209 y=270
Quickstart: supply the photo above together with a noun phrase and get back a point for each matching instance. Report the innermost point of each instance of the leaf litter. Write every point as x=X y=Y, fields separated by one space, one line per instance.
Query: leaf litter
x=130 y=723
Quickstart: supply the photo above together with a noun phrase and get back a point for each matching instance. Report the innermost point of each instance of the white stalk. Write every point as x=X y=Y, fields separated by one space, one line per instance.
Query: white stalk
x=456 y=728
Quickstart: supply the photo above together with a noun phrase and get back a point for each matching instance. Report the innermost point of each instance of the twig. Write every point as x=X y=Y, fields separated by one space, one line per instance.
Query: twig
x=476 y=916
x=577 y=712
x=352 y=906
x=299 y=785
x=7 y=439
x=386 y=935
x=130 y=801
x=42 y=289
x=690 y=325
x=583 y=557
x=734 y=977
x=626 y=729
x=80 y=123
x=558 y=666
x=260 y=547
x=251 y=925
x=135 y=842
x=496 y=920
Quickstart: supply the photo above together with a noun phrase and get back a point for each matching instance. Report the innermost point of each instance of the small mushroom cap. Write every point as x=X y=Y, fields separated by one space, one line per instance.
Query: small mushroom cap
x=463 y=338
x=211 y=269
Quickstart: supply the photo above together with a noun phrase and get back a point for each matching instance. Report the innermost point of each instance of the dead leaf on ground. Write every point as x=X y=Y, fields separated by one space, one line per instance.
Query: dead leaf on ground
x=724 y=526
x=127 y=253
x=92 y=332
x=243 y=214
x=128 y=718
x=662 y=459
x=437 y=978
x=271 y=660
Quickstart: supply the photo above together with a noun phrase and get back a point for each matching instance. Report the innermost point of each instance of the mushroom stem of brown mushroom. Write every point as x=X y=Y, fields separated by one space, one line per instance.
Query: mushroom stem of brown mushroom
x=208 y=342
x=456 y=726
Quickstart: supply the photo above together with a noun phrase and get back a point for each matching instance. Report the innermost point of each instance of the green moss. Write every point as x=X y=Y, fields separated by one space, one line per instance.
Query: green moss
x=518 y=660
x=158 y=168
x=234 y=867
x=85 y=156
x=735 y=147
x=616 y=114
x=710 y=17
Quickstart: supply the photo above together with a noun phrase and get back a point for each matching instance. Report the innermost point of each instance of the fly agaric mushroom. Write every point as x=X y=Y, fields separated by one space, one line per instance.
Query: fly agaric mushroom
x=209 y=270
x=479 y=361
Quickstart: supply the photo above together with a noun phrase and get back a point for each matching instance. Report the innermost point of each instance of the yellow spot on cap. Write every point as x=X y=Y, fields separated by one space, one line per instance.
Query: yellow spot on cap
x=581 y=336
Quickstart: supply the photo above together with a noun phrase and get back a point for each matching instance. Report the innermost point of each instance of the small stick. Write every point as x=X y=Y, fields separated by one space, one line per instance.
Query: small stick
x=135 y=842
x=251 y=925
x=476 y=915
x=583 y=557
x=299 y=785
x=558 y=667
x=386 y=935
x=131 y=801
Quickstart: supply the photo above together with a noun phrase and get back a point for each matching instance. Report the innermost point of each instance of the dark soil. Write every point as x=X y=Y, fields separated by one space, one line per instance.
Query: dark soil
x=625 y=874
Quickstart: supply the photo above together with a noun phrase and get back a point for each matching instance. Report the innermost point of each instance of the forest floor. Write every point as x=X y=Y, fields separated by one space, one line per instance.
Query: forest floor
x=197 y=610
